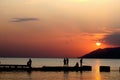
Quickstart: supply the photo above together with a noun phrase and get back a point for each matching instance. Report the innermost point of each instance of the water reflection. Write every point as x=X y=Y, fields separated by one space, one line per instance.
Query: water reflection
x=96 y=71
x=66 y=75
x=81 y=75
x=29 y=75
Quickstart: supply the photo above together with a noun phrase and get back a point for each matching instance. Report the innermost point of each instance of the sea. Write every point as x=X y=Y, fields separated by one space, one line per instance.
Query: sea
x=95 y=74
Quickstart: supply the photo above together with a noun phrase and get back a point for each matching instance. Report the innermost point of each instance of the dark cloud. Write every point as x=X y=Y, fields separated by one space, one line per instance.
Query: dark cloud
x=23 y=19
x=112 y=39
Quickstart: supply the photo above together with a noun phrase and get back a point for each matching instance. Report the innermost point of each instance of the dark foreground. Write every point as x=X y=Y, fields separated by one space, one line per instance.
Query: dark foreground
x=44 y=68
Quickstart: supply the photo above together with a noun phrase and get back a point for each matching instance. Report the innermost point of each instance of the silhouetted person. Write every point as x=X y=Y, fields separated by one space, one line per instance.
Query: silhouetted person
x=81 y=61
x=64 y=61
x=29 y=63
x=67 y=61
x=77 y=65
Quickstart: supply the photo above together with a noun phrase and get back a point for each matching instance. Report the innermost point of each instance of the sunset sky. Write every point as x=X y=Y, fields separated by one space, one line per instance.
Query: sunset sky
x=57 y=28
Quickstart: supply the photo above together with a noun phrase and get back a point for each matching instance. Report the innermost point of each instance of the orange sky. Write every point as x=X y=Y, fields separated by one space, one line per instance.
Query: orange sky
x=52 y=28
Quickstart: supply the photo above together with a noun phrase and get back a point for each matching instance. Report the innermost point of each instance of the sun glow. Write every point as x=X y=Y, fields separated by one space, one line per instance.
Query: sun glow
x=98 y=43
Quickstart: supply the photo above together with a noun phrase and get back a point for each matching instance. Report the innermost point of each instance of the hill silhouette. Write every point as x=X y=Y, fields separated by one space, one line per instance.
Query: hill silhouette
x=106 y=53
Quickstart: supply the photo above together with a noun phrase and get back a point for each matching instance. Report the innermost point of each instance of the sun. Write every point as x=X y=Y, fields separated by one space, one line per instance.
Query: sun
x=98 y=43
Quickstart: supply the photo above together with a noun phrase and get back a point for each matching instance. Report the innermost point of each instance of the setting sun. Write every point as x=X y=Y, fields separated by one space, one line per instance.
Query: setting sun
x=98 y=43
x=57 y=28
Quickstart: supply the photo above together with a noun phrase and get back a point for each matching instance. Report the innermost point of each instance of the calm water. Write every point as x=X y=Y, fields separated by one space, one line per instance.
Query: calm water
x=39 y=75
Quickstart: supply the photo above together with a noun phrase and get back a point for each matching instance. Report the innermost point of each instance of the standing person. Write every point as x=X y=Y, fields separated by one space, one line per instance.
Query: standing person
x=29 y=63
x=64 y=61
x=67 y=61
x=81 y=61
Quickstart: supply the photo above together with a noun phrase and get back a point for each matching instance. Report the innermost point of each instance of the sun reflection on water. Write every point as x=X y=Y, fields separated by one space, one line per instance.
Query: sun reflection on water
x=97 y=72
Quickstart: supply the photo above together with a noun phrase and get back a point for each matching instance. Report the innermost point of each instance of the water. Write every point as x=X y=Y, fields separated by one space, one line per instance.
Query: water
x=114 y=74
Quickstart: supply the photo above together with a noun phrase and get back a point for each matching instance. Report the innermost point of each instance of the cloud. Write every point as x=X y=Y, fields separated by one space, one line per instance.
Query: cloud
x=112 y=39
x=23 y=19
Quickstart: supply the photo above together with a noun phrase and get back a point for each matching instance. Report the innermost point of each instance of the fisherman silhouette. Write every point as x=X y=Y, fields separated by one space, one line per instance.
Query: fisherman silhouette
x=29 y=63
x=77 y=65
x=81 y=61
x=67 y=61
x=64 y=61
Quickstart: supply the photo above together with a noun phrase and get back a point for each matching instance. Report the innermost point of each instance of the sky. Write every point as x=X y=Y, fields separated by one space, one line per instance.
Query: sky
x=57 y=28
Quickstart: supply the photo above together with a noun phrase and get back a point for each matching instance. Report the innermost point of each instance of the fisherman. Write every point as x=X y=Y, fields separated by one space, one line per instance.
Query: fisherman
x=81 y=61
x=64 y=61
x=77 y=65
x=29 y=63
x=67 y=61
